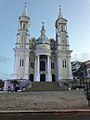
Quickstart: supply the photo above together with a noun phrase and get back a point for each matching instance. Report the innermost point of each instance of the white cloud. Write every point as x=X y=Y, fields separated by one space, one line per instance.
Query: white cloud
x=3 y=59
x=81 y=57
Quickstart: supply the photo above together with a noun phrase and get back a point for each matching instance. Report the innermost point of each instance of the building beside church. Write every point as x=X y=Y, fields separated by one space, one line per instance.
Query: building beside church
x=42 y=59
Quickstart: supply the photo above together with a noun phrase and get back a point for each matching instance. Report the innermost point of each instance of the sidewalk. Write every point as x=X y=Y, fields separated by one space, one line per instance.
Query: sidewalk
x=47 y=111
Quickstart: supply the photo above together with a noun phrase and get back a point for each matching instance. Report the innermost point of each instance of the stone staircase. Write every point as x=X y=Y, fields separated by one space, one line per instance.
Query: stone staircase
x=44 y=86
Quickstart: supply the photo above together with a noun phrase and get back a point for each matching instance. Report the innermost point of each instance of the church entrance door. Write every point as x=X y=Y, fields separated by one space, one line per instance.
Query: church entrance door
x=31 y=77
x=53 y=78
x=42 y=78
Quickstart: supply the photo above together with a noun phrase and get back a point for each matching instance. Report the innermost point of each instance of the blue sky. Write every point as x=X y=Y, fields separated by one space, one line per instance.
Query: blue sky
x=77 y=12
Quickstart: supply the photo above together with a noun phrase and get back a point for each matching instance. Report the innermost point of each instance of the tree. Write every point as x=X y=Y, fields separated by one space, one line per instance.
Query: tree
x=1 y=83
x=15 y=82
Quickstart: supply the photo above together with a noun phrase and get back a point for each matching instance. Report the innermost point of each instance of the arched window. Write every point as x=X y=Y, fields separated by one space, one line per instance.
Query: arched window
x=52 y=65
x=24 y=26
x=64 y=63
x=21 y=63
x=42 y=66
x=61 y=28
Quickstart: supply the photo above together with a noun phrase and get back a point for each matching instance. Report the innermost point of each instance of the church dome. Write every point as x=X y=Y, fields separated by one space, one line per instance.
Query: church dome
x=43 y=39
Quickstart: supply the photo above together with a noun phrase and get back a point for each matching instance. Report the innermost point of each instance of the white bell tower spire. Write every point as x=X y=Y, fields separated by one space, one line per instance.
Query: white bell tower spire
x=22 y=47
x=64 y=71
x=25 y=13
x=60 y=12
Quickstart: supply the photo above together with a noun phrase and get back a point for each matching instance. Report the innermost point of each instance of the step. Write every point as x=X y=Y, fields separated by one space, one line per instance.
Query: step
x=44 y=86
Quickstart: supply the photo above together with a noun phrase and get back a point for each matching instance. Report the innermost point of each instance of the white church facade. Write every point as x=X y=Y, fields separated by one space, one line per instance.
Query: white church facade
x=42 y=59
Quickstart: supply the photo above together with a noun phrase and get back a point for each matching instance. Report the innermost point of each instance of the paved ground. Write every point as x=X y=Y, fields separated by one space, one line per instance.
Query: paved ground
x=50 y=100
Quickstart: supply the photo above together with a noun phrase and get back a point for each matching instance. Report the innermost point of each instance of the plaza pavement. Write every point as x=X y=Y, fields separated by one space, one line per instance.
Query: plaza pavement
x=46 y=101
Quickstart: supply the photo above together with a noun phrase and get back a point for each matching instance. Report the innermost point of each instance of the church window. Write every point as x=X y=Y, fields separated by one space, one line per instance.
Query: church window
x=42 y=66
x=20 y=62
x=32 y=65
x=52 y=65
x=64 y=64
x=62 y=29
x=24 y=26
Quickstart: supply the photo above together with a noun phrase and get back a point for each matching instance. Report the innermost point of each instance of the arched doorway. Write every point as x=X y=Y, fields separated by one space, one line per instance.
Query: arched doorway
x=53 y=78
x=42 y=66
x=31 y=77
x=42 y=78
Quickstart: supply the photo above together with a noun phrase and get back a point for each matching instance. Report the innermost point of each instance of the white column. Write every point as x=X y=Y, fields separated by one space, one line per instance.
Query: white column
x=35 y=65
x=48 y=76
x=37 y=70
x=59 y=67
x=70 y=69
x=59 y=41
x=26 y=65
x=48 y=62
x=50 y=70
x=38 y=63
x=14 y=76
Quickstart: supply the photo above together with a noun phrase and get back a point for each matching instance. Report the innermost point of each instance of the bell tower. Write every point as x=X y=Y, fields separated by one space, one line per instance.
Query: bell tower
x=22 y=47
x=64 y=71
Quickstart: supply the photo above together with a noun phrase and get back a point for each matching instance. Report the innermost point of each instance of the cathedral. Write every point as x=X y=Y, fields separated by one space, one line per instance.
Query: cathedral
x=42 y=59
